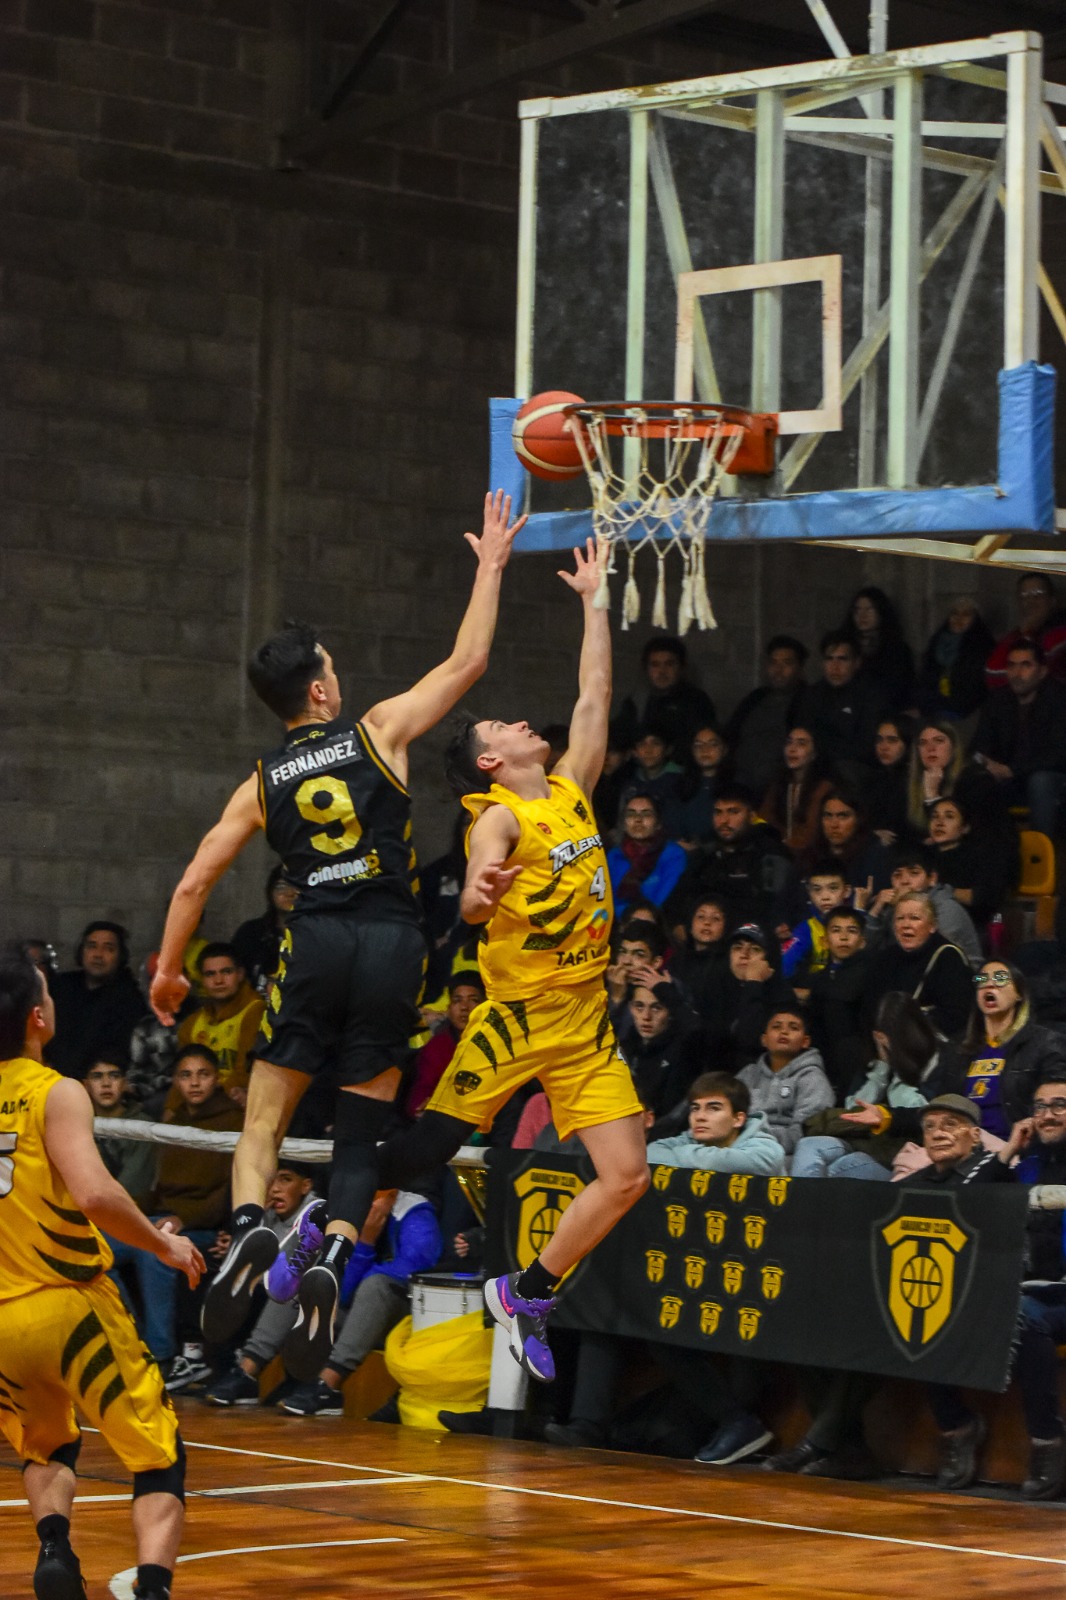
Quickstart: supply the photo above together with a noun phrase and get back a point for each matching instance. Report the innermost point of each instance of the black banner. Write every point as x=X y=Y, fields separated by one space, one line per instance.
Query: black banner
x=910 y=1281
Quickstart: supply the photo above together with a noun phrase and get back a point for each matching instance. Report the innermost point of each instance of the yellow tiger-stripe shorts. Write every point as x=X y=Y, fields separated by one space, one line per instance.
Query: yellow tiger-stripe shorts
x=64 y=1350
x=564 y=1038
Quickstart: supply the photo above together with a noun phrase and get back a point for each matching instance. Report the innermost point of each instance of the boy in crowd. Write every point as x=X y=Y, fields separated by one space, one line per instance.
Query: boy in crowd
x=788 y=1082
x=229 y=1019
x=837 y=998
x=652 y=772
x=293 y=1212
x=465 y=991
x=806 y=951
x=724 y=1134
x=914 y=872
x=191 y=1196
x=131 y=1162
x=641 y=946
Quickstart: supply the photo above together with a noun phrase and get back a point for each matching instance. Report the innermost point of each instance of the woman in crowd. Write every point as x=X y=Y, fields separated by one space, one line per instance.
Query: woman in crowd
x=702 y=965
x=939 y=769
x=951 y=682
x=978 y=877
x=844 y=834
x=886 y=793
x=919 y=961
x=907 y=1054
x=646 y=864
x=694 y=812
x=793 y=800
x=873 y=623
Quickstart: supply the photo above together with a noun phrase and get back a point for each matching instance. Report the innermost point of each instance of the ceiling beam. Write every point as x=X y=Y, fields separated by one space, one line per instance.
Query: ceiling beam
x=603 y=29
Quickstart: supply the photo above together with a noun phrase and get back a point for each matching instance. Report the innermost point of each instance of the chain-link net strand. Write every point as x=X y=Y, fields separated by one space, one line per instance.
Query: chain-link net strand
x=660 y=496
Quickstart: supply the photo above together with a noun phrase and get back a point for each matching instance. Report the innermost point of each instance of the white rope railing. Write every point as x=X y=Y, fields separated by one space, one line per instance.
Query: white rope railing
x=309 y=1150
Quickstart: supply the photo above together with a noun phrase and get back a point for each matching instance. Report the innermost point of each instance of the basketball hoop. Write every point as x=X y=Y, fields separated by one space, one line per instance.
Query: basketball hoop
x=668 y=508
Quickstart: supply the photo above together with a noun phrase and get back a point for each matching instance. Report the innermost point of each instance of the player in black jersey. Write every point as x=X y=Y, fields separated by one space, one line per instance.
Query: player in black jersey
x=333 y=802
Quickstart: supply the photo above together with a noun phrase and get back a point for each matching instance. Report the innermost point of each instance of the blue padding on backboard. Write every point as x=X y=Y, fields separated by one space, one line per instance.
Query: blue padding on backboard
x=1022 y=501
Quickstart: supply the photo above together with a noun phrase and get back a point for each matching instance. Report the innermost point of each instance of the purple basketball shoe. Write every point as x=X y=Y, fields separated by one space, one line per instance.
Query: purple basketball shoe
x=298 y=1251
x=526 y=1321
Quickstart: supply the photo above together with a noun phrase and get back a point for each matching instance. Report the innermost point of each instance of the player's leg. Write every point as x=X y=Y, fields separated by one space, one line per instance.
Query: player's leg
x=158 y=1516
x=50 y=1487
x=521 y=1301
x=382 y=1013
x=273 y=1095
x=591 y=1092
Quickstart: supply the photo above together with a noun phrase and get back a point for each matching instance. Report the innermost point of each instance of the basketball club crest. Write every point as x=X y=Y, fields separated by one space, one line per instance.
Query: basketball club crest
x=922 y=1270
x=544 y=1195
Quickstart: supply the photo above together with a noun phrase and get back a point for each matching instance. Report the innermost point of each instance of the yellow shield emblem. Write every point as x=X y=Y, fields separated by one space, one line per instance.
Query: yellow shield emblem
x=660 y=1178
x=733 y=1276
x=710 y=1316
x=695 y=1267
x=699 y=1183
x=738 y=1186
x=669 y=1311
x=656 y=1265
x=754 y=1229
x=544 y=1195
x=777 y=1191
x=922 y=1267
x=748 y=1319
x=773 y=1278
x=676 y=1217
x=715 y=1221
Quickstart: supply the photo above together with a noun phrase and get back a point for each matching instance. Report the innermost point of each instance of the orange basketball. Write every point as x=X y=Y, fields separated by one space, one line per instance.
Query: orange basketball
x=543 y=436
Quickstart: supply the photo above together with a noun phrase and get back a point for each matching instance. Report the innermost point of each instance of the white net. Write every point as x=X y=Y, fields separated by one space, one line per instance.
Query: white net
x=659 y=496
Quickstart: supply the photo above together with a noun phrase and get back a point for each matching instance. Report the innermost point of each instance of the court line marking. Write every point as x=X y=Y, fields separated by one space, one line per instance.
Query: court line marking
x=247 y=1488
x=671 y=1511
x=121 y=1584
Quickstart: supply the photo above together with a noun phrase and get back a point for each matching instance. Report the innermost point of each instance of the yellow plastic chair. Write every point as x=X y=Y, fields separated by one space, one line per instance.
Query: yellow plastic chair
x=1038 y=864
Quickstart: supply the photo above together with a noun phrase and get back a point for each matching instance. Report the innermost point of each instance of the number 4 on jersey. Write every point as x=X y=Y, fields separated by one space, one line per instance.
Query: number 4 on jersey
x=598 y=886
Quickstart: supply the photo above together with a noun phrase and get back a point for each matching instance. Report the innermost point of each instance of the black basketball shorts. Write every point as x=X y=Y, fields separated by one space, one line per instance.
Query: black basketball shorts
x=345 y=997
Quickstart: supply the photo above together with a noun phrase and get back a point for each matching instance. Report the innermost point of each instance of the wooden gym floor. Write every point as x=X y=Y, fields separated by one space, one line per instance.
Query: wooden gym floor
x=324 y=1510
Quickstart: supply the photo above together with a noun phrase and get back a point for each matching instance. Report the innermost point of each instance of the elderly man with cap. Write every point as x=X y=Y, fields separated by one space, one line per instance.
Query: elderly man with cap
x=951 y=1135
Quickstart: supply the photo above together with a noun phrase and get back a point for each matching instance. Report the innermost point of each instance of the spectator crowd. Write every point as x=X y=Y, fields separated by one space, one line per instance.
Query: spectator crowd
x=816 y=971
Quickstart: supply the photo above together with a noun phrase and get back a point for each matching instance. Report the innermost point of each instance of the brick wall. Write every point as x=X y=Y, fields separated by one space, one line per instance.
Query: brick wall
x=232 y=393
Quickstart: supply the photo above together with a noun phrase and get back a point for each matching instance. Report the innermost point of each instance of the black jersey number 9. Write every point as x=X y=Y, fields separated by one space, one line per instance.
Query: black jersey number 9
x=340 y=809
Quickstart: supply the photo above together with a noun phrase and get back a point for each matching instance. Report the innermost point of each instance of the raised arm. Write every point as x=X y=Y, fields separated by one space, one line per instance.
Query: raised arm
x=68 y=1138
x=396 y=722
x=492 y=838
x=584 y=757
x=217 y=851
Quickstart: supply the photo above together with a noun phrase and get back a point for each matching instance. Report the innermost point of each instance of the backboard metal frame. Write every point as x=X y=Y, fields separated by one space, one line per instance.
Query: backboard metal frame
x=792 y=102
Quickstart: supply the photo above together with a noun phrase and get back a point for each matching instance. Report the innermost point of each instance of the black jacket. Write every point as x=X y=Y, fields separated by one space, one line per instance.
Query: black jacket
x=91 y=1023
x=938 y=975
x=837 y=1003
x=676 y=713
x=754 y=874
x=844 y=720
x=664 y=1067
x=1025 y=738
x=984 y=1166
x=956 y=689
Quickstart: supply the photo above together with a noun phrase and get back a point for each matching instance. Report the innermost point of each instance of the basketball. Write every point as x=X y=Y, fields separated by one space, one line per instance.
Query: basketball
x=543 y=436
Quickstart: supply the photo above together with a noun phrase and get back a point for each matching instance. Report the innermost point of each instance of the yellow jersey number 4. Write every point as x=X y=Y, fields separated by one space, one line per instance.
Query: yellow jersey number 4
x=598 y=886
x=339 y=809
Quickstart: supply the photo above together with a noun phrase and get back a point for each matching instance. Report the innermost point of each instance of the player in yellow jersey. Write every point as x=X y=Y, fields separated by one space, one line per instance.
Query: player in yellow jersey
x=537 y=881
x=66 y=1340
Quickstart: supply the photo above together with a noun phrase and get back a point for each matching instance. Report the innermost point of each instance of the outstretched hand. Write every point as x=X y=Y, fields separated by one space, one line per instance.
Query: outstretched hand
x=585 y=580
x=485 y=889
x=167 y=995
x=493 y=547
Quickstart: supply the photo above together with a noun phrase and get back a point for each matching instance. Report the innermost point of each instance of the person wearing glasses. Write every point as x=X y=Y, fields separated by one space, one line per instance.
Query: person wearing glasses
x=1040 y=617
x=646 y=865
x=999 y=1061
